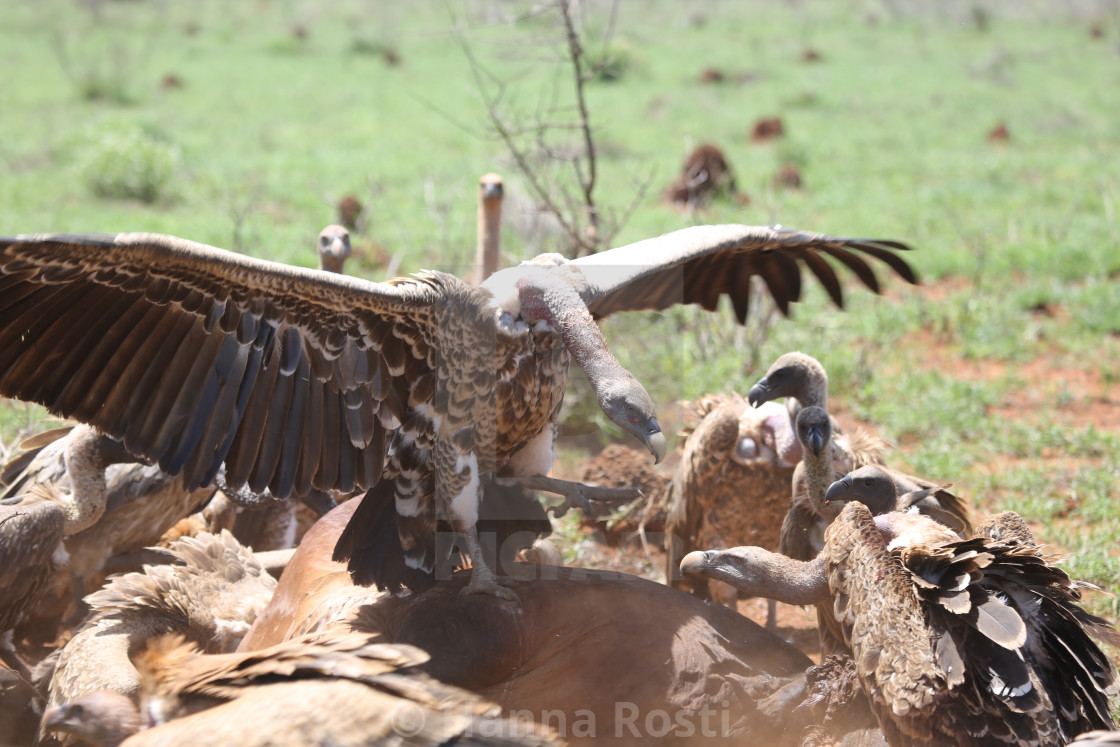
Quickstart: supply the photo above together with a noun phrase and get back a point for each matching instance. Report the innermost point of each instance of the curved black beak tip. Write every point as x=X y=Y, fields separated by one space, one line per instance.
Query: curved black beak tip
x=757 y=394
x=656 y=442
x=837 y=490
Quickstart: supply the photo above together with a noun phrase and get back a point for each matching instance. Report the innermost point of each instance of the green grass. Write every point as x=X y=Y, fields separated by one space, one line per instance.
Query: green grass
x=270 y=127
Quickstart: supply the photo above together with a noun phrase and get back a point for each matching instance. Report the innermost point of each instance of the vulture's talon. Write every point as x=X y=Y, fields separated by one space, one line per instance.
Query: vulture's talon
x=495 y=586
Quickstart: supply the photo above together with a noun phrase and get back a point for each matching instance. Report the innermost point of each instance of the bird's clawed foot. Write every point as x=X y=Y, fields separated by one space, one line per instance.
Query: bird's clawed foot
x=483 y=581
x=589 y=499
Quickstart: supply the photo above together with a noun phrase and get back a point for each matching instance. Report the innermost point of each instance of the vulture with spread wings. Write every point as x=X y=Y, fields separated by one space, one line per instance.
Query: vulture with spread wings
x=417 y=387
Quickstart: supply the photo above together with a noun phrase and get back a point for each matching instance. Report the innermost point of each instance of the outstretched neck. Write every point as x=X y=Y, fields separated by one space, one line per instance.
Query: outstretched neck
x=489 y=236
x=818 y=475
x=87 y=455
x=552 y=299
x=794 y=581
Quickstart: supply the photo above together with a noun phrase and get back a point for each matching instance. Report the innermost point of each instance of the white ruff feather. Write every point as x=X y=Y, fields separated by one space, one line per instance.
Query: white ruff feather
x=408 y=506
x=536 y=457
x=464 y=506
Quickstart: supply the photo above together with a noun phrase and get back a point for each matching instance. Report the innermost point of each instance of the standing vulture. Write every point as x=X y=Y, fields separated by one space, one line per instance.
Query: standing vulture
x=977 y=641
x=731 y=487
x=293 y=379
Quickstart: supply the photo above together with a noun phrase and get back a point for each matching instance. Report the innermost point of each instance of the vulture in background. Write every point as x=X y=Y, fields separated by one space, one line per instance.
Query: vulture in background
x=212 y=596
x=291 y=695
x=111 y=503
x=333 y=248
x=490 y=193
x=730 y=488
x=417 y=387
x=976 y=641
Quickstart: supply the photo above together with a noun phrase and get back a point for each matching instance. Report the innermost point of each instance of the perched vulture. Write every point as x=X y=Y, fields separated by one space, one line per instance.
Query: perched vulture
x=291 y=695
x=731 y=486
x=802 y=380
x=112 y=505
x=490 y=193
x=977 y=641
x=297 y=379
x=212 y=597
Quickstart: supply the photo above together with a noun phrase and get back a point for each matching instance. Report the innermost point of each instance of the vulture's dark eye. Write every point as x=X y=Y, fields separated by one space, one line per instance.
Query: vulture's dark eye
x=869 y=482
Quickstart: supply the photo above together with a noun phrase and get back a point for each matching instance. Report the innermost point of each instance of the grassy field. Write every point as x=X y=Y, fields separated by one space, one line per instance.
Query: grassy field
x=1000 y=374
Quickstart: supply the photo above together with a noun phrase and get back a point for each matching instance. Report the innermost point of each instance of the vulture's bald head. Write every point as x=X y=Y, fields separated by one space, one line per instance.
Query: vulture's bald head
x=629 y=406
x=814 y=429
x=490 y=187
x=102 y=718
x=761 y=573
x=869 y=485
x=334 y=248
x=793 y=375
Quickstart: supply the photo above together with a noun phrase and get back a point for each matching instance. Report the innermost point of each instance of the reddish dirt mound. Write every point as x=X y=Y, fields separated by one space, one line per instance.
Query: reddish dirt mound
x=711 y=75
x=620 y=466
x=788 y=176
x=767 y=129
x=349 y=212
x=706 y=172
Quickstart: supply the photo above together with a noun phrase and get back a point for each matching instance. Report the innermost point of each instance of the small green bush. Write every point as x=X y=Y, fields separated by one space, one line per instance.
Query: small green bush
x=126 y=162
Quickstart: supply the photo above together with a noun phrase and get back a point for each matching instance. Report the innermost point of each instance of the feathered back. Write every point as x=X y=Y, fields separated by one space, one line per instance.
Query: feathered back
x=973 y=638
x=217 y=590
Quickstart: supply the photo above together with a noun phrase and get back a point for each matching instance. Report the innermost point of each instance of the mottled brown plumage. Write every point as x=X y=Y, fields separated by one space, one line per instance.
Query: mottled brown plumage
x=730 y=487
x=113 y=505
x=212 y=597
x=30 y=555
x=295 y=379
x=975 y=641
x=349 y=689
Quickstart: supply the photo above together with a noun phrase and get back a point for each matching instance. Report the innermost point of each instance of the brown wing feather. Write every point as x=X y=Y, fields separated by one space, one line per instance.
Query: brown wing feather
x=194 y=356
x=660 y=272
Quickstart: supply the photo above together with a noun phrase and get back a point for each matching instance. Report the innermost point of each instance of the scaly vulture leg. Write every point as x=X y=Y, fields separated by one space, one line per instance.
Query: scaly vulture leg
x=483 y=580
x=576 y=494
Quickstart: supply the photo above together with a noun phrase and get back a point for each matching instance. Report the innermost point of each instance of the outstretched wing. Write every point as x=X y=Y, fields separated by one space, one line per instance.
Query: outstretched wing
x=699 y=264
x=193 y=356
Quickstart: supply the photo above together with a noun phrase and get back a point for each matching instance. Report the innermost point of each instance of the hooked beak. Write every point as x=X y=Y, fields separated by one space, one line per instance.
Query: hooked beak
x=655 y=442
x=838 y=491
x=759 y=392
x=816 y=440
x=695 y=562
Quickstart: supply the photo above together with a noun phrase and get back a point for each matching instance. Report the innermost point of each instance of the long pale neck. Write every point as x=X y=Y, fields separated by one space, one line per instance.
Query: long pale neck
x=793 y=581
x=330 y=263
x=815 y=391
x=818 y=474
x=558 y=303
x=489 y=236
x=87 y=455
